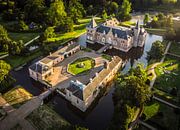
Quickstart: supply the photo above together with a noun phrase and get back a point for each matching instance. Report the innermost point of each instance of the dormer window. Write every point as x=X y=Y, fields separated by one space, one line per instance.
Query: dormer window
x=115 y=34
x=104 y=32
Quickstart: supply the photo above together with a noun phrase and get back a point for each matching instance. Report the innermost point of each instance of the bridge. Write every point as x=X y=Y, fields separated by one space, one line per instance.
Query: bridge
x=104 y=48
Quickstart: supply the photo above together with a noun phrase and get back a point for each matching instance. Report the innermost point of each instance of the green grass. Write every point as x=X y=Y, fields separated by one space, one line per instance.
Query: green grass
x=156 y=31
x=16 y=61
x=25 y=37
x=168 y=75
x=3 y=53
x=17 y=95
x=175 y=48
x=151 y=110
x=79 y=29
x=162 y=115
x=128 y=24
x=107 y=57
x=44 y=118
x=81 y=65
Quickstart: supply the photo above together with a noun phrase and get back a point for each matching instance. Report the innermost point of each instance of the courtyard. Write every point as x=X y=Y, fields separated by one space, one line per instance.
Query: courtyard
x=92 y=64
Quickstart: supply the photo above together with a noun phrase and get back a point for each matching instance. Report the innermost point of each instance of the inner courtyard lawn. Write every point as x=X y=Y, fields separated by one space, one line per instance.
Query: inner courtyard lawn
x=81 y=65
x=168 y=75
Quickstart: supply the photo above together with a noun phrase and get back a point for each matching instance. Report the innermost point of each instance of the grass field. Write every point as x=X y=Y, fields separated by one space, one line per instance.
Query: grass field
x=162 y=115
x=81 y=65
x=175 y=48
x=44 y=118
x=156 y=31
x=25 y=37
x=78 y=30
x=16 y=61
x=17 y=95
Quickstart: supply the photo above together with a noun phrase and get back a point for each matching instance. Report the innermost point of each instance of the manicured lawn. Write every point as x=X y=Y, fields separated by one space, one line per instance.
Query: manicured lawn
x=156 y=31
x=151 y=110
x=44 y=118
x=16 y=61
x=175 y=48
x=128 y=24
x=79 y=29
x=17 y=95
x=22 y=36
x=81 y=65
x=162 y=115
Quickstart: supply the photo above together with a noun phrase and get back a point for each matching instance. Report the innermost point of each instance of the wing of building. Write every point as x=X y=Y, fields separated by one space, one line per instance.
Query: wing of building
x=121 y=38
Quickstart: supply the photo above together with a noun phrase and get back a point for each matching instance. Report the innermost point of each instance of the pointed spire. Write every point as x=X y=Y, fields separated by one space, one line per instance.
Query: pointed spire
x=92 y=24
x=137 y=25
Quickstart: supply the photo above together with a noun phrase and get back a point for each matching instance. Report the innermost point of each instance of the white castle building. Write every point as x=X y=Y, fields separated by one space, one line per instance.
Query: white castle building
x=121 y=38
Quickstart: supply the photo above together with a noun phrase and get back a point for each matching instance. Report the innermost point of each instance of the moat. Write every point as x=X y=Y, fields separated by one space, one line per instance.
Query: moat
x=98 y=117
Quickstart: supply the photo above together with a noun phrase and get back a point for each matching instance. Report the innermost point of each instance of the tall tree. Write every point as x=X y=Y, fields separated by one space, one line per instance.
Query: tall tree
x=4 y=39
x=157 y=50
x=125 y=10
x=146 y=18
x=131 y=92
x=56 y=13
x=34 y=10
x=76 y=10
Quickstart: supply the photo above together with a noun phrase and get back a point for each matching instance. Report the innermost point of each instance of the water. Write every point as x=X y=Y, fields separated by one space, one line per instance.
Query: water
x=100 y=116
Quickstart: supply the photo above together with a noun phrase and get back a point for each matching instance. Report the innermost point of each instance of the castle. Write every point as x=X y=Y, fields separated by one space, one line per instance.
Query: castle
x=121 y=38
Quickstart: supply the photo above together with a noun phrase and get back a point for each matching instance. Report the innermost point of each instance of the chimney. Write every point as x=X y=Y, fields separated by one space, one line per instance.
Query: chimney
x=96 y=74
x=106 y=65
x=50 y=53
x=90 y=80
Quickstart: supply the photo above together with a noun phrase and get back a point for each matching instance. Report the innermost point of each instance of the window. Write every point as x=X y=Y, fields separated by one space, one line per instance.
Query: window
x=69 y=94
x=77 y=101
x=103 y=39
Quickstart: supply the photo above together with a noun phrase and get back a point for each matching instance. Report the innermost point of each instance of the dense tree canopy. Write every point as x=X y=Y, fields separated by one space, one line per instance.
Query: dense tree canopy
x=157 y=50
x=4 y=39
x=34 y=10
x=131 y=92
x=56 y=13
x=76 y=10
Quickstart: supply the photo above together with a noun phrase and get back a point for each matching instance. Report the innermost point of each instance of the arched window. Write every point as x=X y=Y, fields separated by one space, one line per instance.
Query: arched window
x=103 y=39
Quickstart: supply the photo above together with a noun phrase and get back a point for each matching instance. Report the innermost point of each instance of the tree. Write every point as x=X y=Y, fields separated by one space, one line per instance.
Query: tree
x=170 y=34
x=5 y=79
x=104 y=14
x=56 y=13
x=34 y=10
x=146 y=18
x=15 y=48
x=49 y=33
x=157 y=50
x=125 y=10
x=4 y=39
x=113 y=8
x=76 y=10
x=131 y=92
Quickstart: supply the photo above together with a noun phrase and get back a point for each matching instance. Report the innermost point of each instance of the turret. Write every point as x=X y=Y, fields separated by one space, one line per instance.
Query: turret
x=136 y=32
x=91 y=30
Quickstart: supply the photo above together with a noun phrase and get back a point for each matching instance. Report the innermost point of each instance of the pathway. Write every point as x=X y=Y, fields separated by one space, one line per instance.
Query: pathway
x=4 y=56
x=29 y=42
x=104 y=48
x=165 y=102
x=146 y=125
x=178 y=56
x=17 y=116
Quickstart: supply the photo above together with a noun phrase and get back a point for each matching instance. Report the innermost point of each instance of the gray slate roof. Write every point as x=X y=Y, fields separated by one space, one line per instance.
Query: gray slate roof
x=92 y=24
x=119 y=32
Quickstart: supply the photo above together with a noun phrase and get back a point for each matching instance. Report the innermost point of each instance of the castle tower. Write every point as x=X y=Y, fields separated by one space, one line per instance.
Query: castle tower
x=136 y=31
x=91 y=30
